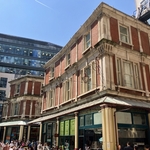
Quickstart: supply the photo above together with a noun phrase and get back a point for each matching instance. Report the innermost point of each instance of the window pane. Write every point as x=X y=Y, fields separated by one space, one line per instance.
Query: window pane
x=139 y=119
x=82 y=121
x=88 y=120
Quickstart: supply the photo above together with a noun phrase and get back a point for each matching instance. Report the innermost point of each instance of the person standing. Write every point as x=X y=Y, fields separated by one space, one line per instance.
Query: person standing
x=128 y=147
x=146 y=147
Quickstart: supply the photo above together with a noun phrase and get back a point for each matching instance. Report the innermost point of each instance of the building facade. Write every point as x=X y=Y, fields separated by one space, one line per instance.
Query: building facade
x=23 y=56
x=4 y=88
x=96 y=89
x=23 y=105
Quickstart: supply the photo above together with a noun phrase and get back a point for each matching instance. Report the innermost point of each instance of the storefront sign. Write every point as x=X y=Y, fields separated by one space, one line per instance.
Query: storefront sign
x=67 y=127
x=61 y=128
x=72 y=127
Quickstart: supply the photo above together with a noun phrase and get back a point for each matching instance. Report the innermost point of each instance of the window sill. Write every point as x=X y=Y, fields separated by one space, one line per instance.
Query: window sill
x=52 y=78
x=86 y=50
x=68 y=101
x=67 y=67
x=50 y=108
x=130 y=88
x=83 y=94
x=125 y=44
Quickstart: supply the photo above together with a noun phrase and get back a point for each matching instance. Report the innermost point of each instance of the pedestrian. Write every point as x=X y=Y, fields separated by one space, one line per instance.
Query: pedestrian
x=119 y=147
x=45 y=146
x=128 y=147
x=135 y=147
x=39 y=146
x=146 y=147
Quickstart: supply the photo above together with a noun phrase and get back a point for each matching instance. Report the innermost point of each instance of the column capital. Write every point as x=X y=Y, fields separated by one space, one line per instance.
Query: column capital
x=76 y=113
x=103 y=106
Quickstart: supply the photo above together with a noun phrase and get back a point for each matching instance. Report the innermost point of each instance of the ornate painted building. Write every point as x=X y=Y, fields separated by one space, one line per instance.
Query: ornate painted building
x=23 y=105
x=97 y=88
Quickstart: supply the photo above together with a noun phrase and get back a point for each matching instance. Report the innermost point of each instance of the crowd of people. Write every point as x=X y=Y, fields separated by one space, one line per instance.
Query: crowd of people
x=22 y=145
x=134 y=147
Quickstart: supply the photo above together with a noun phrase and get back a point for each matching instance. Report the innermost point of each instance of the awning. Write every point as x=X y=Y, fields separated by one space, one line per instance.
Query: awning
x=112 y=100
x=13 y=123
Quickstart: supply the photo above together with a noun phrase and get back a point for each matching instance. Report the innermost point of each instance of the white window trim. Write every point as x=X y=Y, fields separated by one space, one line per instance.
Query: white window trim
x=51 y=99
x=68 y=61
x=17 y=90
x=128 y=34
x=65 y=91
x=83 y=85
x=52 y=73
x=85 y=49
x=134 y=79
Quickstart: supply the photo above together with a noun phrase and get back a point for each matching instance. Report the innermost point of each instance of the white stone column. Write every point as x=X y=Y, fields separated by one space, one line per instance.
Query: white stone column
x=26 y=88
x=145 y=80
x=108 y=128
x=57 y=132
x=76 y=131
x=33 y=88
x=21 y=133
x=40 y=134
x=4 y=133
x=28 y=135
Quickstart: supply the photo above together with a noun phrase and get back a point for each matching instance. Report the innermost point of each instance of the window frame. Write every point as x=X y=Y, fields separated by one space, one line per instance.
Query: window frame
x=127 y=35
x=51 y=101
x=52 y=73
x=67 y=90
x=68 y=59
x=135 y=74
x=17 y=88
x=87 y=42
x=92 y=78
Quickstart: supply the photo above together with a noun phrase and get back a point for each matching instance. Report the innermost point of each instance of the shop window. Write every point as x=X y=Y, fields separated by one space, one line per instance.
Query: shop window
x=139 y=119
x=123 y=117
x=97 y=118
x=124 y=34
x=88 y=120
x=81 y=121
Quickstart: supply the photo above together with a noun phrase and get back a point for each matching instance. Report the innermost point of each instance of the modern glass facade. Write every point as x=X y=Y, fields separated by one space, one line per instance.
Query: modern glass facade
x=22 y=56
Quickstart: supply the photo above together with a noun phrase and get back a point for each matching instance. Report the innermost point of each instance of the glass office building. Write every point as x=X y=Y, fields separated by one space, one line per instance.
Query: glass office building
x=21 y=56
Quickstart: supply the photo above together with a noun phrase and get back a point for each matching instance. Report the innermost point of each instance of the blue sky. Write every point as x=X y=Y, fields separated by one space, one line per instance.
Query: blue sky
x=53 y=21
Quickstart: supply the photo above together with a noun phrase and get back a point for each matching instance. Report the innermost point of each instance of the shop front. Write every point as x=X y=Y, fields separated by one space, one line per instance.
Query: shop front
x=67 y=134
x=90 y=130
x=133 y=127
x=48 y=133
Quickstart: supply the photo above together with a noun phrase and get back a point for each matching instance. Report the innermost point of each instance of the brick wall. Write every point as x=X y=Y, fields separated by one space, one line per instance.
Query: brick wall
x=135 y=39
x=114 y=30
x=94 y=33
x=22 y=88
x=37 y=88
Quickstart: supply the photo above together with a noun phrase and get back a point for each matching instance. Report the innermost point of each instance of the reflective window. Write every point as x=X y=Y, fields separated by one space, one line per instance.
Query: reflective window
x=88 y=119
x=2 y=94
x=3 y=82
